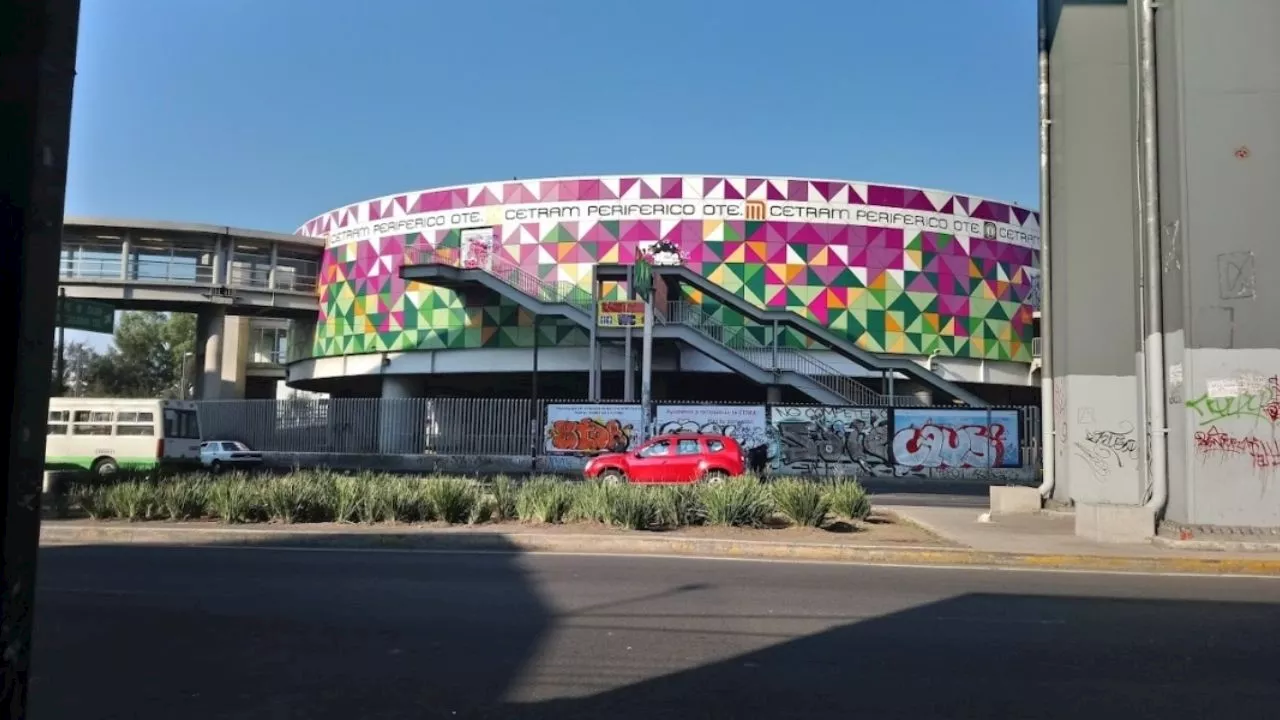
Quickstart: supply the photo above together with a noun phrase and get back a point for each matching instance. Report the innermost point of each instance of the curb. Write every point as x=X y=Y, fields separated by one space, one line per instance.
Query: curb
x=85 y=534
x=1243 y=546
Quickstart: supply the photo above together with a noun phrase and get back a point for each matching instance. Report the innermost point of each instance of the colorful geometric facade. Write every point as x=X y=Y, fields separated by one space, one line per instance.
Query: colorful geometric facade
x=896 y=270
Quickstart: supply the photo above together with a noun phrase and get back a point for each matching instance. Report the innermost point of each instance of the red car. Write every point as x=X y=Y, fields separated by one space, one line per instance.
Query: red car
x=678 y=458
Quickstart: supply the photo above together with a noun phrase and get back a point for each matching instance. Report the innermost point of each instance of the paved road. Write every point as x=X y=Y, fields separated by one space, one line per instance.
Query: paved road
x=145 y=633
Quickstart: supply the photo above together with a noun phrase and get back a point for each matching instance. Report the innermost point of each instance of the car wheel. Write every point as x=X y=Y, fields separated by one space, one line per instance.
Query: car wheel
x=613 y=477
x=105 y=467
x=716 y=476
x=215 y=467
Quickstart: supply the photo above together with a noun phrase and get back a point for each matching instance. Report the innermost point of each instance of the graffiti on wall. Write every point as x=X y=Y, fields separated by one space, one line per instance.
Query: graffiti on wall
x=1237 y=418
x=592 y=428
x=745 y=423
x=1237 y=399
x=1262 y=453
x=829 y=440
x=945 y=438
x=1104 y=450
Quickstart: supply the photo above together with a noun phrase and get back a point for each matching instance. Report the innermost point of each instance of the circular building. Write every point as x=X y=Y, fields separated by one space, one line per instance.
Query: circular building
x=495 y=289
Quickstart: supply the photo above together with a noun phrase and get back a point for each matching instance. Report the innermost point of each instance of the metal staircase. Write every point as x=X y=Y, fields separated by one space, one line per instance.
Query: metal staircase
x=735 y=349
x=821 y=335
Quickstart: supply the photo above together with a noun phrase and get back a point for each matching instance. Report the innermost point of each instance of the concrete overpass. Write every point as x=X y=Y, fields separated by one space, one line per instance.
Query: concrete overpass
x=253 y=292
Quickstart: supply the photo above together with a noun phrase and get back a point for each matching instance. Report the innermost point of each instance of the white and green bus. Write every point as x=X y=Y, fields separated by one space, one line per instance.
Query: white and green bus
x=104 y=435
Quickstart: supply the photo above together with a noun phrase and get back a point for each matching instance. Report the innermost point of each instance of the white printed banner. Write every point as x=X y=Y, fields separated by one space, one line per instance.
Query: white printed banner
x=592 y=428
x=747 y=424
x=592 y=211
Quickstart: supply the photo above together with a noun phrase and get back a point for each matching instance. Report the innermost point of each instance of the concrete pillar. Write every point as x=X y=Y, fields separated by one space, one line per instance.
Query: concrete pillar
x=219 y=262
x=210 y=327
x=275 y=261
x=235 y=356
x=125 y=252
x=773 y=394
x=401 y=423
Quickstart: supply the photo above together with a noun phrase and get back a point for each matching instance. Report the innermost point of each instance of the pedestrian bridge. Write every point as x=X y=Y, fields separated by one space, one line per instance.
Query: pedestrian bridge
x=185 y=267
x=211 y=271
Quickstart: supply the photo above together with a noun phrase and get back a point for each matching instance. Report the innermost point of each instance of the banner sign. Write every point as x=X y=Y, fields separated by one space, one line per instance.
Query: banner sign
x=478 y=246
x=748 y=424
x=621 y=313
x=676 y=210
x=592 y=428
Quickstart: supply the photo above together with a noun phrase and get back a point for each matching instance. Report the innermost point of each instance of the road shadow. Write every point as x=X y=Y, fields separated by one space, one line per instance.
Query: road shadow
x=200 y=633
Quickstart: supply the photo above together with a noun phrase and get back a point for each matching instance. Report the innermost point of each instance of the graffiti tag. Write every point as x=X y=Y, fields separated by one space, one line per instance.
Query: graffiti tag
x=831 y=440
x=937 y=446
x=1263 y=454
x=1119 y=445
x=589 y=435
x=1264 y=404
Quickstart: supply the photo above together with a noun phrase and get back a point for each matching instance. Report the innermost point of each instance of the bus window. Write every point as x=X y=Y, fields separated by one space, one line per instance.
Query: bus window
x=184 y=424
x=58 y=420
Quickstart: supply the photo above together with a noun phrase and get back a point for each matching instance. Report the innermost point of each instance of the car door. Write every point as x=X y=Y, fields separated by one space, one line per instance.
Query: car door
x=651 y=462
x=685 y=465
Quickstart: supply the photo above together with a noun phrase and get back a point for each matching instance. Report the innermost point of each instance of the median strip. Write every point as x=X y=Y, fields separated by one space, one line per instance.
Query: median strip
x=532 y=540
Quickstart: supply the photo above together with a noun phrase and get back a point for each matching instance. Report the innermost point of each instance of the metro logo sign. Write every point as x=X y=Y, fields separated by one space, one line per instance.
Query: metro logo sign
x=756 y=210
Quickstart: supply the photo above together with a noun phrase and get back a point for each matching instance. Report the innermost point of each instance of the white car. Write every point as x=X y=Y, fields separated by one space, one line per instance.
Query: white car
x=218 y=455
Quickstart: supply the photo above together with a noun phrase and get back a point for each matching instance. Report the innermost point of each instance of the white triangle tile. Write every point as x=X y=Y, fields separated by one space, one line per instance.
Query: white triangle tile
x=692 y=188
x=544 y=257
x=793 y=257
x=861 y=190
x=898 y=275
x=860 y=273
x=840 y=251
x=937 y=198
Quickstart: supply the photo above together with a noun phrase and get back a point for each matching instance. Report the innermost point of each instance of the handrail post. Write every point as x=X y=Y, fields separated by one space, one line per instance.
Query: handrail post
x=774 y=338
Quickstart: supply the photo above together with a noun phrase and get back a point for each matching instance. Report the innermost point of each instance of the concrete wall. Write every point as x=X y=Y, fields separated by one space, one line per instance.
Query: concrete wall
x=1219 y=66
x=1092 y=239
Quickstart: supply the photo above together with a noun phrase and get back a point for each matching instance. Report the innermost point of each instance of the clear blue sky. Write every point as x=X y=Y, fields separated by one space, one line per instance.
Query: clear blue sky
x=263 y=113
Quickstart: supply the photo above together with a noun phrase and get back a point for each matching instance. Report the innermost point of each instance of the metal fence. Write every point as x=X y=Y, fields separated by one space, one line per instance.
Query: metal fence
x=431 y=426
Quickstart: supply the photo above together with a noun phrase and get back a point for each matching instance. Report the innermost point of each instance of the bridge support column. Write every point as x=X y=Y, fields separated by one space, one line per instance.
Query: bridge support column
x=401 y=425
x=210 y=326
x=773 y=394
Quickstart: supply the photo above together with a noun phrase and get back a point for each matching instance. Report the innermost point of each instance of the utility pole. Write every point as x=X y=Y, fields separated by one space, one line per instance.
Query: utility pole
x=37 y=62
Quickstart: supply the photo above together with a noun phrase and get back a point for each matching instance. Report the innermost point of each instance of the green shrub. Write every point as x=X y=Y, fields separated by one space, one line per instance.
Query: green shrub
x=631 y=506
x=235 y=500
x=803 y=503
x=482 y=510
x=182 y=498
x=452 y=499
x=504 y=491
x=679 y=506
x=738 y=502
x=848 y=499
x=348 y=494
x=545 y=500
x=408 y=501
x=590 y=502
x=290 y=499
x=377 y=498
x=91 y=499
x=132 y=500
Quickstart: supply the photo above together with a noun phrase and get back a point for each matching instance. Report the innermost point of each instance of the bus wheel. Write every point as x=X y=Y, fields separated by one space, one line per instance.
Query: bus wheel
x=105 y=467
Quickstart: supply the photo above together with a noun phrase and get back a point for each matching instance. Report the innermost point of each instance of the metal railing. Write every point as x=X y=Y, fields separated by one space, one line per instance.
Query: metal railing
x=183 y=270
x=769 y=357
x=505 y=270
x=440 y=426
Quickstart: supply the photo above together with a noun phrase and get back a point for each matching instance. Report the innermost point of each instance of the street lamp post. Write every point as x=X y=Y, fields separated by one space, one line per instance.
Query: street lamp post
x=185 y=382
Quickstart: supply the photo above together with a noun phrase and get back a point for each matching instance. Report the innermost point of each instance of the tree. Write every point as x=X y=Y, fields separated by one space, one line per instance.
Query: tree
x=83 y=364
x=144 y=361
